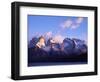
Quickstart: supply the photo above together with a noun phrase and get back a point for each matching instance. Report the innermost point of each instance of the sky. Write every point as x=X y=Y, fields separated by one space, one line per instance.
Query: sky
x=57 y=26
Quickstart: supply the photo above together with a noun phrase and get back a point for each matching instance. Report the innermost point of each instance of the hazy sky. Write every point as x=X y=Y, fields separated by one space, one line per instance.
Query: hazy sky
x=63 y=26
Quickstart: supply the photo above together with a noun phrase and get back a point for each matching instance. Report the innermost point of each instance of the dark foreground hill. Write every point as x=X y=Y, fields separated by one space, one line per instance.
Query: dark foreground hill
x=41 y=57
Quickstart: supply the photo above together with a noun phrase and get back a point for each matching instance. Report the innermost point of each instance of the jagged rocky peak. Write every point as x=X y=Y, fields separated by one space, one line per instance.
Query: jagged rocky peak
x=33 y=42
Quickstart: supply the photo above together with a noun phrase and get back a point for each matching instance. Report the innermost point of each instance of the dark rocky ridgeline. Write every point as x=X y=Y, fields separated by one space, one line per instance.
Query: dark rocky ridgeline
x=68 y=46
x=80 y=47
x=33 y=42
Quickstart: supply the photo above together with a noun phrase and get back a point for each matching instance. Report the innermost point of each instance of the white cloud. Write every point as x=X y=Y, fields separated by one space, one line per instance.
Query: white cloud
x=66 y=24
x=58 y=39
x=79 y=20
x=48 y=34
x=37 y=34
x=72 y=24
x=77 y=23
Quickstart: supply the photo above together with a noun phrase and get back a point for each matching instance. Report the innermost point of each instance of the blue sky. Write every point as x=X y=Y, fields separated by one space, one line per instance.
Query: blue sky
x=65 y=26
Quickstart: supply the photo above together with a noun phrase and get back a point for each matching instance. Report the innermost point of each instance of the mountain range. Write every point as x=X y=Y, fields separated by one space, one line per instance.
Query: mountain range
x=70 y=50
x=68 y=46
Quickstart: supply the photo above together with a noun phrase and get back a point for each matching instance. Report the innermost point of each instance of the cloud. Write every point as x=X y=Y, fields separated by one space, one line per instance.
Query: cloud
x=58 y=39
x=79 y=20
x=73 y=24
x=37 y=34
x=77 y=23
x=48 y=34
x=66 y=24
